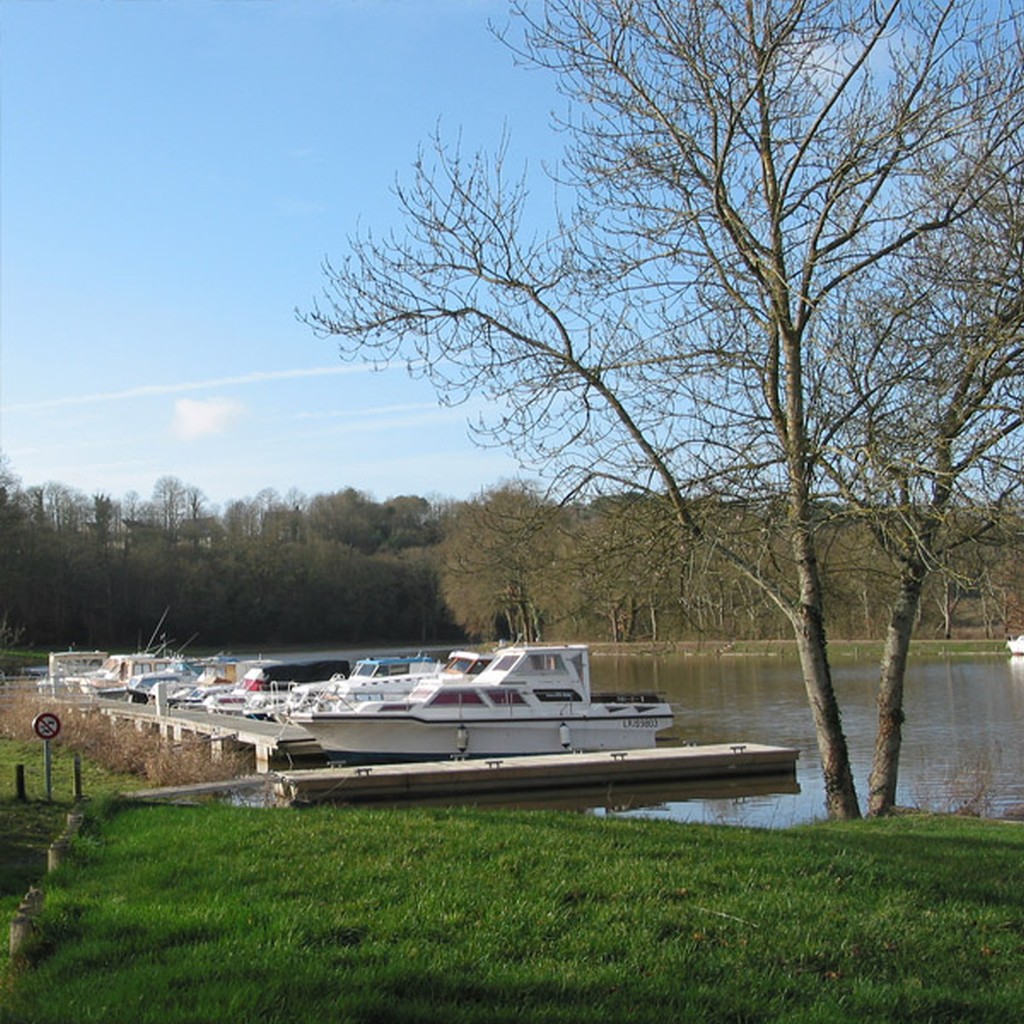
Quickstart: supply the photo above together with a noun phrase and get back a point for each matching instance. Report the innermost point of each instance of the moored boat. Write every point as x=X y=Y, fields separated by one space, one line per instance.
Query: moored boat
x=265 y=684
x=530 y=699
x=66 y=669
x=382 y=678
x=1016 y=645
x=116 y=675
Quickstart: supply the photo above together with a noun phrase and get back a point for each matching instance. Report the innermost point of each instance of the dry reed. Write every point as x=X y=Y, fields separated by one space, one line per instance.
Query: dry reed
x=117 y=745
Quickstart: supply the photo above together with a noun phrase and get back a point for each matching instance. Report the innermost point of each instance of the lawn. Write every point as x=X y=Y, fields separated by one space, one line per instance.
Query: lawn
x=209 y=913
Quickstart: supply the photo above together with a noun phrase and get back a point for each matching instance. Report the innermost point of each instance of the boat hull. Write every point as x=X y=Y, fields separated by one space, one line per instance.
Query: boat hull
x=386 y=739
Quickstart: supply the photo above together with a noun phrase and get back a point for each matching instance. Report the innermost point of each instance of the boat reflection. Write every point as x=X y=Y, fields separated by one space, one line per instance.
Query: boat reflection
x=614 y=798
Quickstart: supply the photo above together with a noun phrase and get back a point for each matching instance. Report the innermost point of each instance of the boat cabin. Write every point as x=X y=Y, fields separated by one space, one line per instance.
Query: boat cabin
x=552 y=675
x=283 y=675
x=75 y=663
x=384 y=667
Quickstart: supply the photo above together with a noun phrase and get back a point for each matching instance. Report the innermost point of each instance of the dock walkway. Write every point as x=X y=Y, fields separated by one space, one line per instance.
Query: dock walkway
x=274 y=744
x=535 y=773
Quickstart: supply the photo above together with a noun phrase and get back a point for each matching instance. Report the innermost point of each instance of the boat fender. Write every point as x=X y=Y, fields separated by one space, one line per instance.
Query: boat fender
x=462 y=738
x=564 y=737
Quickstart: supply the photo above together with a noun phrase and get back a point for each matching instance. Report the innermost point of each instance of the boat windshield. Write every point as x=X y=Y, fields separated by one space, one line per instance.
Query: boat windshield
x=398 y=667
x=466 y=665
x=505 y=662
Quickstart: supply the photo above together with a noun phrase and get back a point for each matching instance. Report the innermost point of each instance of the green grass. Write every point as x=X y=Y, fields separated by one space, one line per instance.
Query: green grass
x=28 y=827
x=210 y=913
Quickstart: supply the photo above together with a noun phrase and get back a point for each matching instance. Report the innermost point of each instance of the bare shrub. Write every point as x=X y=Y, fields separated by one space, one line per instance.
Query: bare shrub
x=119 y=746
x=965 y=789
x=969 y=787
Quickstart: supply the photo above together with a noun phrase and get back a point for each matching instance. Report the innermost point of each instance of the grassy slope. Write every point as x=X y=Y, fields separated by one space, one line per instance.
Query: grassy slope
x=27 y=828
x=211 y=913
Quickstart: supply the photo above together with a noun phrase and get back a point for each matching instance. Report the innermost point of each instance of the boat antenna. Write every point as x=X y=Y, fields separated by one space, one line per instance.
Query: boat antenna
x=188 y=641
x=157 y=629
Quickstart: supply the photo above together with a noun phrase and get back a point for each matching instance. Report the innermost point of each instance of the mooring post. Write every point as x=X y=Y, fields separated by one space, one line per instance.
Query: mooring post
x=23 y=924
x=19 y=782
x=21 y=932
x=55 y=854
x=77 y=784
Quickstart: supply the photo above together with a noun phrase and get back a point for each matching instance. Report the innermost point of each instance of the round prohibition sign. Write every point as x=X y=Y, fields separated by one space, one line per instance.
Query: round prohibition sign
x=46 y=725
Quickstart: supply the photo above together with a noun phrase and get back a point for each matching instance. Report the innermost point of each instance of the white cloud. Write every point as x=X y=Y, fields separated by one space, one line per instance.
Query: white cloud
x=194 y=419
x=149 y=390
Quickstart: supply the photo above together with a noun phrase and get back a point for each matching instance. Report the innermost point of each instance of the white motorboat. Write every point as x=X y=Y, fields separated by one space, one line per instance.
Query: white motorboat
x=66 y=669
x=116 y=675
x=176 y=676
x=382 y=678
x=267 y=683
x=530 y=699
x=1016 y=645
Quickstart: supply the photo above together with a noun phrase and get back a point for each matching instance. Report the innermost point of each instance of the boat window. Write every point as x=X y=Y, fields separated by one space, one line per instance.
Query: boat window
x=558 y=696
x=456 y=697
x=466 y=666
x=506 y=696
x=505 y=662
x=541 y=662
x=364 y=669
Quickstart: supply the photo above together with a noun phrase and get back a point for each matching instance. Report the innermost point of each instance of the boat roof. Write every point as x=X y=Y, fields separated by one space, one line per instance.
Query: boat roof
x=394 y=664
x=543 y=662
x=301 y=671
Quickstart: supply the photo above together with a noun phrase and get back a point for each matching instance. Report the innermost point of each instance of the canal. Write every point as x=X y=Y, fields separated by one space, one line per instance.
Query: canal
x=962 y=737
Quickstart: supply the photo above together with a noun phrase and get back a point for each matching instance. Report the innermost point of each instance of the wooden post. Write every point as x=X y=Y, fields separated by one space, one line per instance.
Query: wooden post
x=77 y=786
x=56 y=854
x=21 y=932
x=23 y=924
x=19 y=782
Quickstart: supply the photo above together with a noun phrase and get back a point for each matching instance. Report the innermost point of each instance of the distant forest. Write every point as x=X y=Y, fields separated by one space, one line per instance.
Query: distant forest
x=342 y=569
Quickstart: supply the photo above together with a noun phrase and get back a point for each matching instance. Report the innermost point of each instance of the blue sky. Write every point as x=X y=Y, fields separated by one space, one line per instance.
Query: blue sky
x=172 y=175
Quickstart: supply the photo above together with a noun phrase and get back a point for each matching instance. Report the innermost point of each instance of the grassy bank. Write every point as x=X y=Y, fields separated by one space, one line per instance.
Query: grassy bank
x=114 y=758
x=27 y=827
x=209 y=913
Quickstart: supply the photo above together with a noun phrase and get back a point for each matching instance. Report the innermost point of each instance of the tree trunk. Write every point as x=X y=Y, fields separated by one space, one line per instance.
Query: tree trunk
x=889 y=736
x=809 y=627
x=840 y=791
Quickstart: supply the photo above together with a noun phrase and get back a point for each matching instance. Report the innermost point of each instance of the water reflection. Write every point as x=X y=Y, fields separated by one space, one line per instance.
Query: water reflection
x=650 y=799
x=961 y=738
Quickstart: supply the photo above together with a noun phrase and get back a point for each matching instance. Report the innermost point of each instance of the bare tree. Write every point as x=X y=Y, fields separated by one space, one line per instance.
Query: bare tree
x=741 y=171
x=496 y=562
x=929 y=448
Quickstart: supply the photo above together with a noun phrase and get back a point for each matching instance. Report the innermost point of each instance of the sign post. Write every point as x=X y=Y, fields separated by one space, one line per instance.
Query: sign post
x=47 y=727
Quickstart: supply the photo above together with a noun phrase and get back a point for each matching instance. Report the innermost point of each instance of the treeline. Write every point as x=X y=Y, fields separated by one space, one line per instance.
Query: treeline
x=342 y=568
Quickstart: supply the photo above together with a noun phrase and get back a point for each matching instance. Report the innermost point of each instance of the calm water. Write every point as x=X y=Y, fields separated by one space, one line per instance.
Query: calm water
x=961 y=741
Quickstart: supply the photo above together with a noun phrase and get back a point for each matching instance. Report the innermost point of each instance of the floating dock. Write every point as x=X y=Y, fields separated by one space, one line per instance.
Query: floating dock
x=273 y=744
x=534 y=774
